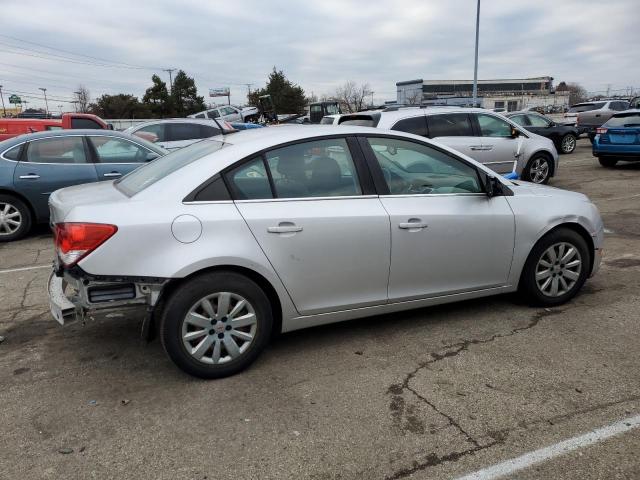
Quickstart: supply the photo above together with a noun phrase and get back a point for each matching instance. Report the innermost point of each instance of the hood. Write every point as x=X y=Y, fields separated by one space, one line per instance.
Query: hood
x=62 y=201
x=533 y=189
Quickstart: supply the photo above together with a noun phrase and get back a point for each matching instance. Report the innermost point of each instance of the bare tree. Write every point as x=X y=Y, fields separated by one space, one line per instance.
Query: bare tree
x=577 y=93
x=414 y=97
x=352 y=97
x=82 y=98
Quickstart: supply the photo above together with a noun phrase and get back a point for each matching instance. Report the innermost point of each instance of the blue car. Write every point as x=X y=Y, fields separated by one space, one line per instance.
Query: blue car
x=618 y=139
x=33 y=166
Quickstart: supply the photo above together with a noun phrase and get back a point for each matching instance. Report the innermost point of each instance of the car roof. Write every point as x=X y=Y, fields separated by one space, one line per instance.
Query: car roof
x=202 y=121
x=27 y=137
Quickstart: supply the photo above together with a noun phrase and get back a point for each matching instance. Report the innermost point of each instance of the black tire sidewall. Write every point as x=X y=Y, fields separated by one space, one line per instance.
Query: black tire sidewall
x=528 y=286
x=527 y=170
x=574 y=143
x=26 y=218
x=607 y=162
x=193 y=290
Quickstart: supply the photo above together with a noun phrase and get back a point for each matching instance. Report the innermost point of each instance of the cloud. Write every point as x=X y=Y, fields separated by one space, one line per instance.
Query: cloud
x=319 y=44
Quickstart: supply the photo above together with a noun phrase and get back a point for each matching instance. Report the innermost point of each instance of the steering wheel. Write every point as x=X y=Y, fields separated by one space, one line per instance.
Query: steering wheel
x=420 y=188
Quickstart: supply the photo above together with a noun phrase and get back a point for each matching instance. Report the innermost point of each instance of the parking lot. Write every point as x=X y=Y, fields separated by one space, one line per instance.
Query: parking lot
x=435 y=393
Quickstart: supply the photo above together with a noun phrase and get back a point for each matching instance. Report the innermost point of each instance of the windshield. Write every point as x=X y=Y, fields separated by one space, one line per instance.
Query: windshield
x=585 y=107
x=150 y=173
x=625 y=120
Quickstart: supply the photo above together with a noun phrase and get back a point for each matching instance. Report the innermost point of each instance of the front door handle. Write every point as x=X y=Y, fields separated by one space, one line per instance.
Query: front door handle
x=284 y=227
x=413 y=223
x=30 y=176
x=112 y=174
x=476 y=147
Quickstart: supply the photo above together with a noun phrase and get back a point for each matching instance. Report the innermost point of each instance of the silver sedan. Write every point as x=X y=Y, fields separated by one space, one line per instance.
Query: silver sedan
x=277 y=229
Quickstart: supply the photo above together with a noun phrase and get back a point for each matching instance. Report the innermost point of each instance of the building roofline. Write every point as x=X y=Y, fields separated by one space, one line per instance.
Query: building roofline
x=409 y=82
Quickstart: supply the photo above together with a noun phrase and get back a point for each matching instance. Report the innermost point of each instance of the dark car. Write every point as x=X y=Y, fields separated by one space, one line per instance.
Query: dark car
x=618 y=139
x=563 y=136
x=33 y=166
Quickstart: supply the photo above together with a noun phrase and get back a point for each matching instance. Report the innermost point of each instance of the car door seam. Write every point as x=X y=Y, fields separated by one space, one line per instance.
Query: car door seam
x=390 y=247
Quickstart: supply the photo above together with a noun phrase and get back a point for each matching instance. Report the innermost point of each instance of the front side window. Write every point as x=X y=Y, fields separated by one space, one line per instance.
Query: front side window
x=213 y=114
x=411 y=168
x=449 y=125
x=57 y=150
x=538 y=121
x=153 y=133
x=119 y=150
x=491 y=126
x=415 y=125
x=521 y=120
x=85 y=123
x=322 y=168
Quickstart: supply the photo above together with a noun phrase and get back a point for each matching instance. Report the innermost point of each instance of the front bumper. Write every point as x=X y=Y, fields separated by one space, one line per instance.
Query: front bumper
x=76 y=295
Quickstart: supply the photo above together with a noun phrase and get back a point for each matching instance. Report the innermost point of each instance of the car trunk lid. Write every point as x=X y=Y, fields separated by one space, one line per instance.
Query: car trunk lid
x=62 y=201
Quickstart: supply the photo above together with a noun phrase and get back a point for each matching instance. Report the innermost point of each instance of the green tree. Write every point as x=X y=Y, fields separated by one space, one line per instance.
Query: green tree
x=119 y=106
x=287 y=96
x=185 y=95
x=157 y=99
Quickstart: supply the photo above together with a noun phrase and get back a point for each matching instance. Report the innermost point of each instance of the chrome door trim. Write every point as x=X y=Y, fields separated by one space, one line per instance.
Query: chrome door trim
x=306 y=199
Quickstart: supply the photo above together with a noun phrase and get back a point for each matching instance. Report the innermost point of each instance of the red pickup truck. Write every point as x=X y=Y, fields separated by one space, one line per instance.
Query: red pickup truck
x=12 y=127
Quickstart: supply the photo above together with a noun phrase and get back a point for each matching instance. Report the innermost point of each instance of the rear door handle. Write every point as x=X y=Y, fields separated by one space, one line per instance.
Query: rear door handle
x=112 y=174
x=476 y=147
x=284 y=229
x=30 y=176
x=412 y=223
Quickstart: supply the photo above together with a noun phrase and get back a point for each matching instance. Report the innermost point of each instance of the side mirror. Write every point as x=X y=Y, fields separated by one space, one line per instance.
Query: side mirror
x=492 y=186
x=515 y=133
x=151 y=156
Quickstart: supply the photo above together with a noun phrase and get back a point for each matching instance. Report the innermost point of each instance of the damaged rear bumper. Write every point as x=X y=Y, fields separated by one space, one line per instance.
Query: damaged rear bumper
x=74 y=294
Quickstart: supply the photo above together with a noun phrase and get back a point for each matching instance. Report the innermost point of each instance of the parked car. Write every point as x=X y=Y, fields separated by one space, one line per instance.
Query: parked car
x=618 y=140
x=12 y=127
x=230 y=113
x=178 y=132
x=485 y=136
x=594 y=114
x=245 y=125
x=32 y=166
x=276 y=229
x=564 y=137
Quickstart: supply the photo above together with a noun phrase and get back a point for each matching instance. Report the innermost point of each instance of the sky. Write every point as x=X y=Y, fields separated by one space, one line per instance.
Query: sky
x=115 y=46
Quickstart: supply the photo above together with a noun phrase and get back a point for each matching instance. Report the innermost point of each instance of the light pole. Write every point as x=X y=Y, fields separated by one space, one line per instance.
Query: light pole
x=60 y=108
x=46 y=104
x=4 y=110
x=475 y=68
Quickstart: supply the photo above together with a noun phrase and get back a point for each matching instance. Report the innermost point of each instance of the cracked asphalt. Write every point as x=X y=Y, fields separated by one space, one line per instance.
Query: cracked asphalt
x=430 y=394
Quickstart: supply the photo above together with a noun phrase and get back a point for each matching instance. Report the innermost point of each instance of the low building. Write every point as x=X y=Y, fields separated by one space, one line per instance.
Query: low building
x=508 y=94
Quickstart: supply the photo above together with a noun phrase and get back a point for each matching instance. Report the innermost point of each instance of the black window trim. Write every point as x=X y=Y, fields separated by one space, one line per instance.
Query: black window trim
x=376 y=171
x=475 y=129
x=424 y=118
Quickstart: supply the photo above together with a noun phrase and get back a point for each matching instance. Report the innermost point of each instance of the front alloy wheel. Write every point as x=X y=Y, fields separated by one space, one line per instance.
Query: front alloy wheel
x=568 y=144
x=539 y=170
x=558 y=269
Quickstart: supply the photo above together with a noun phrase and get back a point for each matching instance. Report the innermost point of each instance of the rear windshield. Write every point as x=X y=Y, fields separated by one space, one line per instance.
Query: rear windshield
x=624 y=120
x=150 y=173
x=585 y=107
x=359 y=120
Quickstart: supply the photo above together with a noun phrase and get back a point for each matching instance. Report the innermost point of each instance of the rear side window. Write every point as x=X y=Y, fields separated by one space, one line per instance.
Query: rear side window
x=359 y=120
x=213 y=114
x=250 y=181
x=57 y=150
x=628 y=120
x=85 y=123
x=619 y=106
x=13 y=153
x=207 y=131
x=415 y=125
x=153 y=133
x=449 y=125
x=184 y=131
x=326 y=121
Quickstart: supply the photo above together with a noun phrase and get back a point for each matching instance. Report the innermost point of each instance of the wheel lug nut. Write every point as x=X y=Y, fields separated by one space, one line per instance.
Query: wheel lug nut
x=221 y=335
x=211 y=332
x=228 y=327
x=224 y=319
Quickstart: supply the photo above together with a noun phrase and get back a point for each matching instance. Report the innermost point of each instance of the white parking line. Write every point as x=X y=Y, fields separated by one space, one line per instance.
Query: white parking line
x=22 y=269
x=547 y=453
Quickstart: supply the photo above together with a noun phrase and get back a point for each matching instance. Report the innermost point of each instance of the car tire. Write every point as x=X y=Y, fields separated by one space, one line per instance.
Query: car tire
x=567 y=144
x=608 y=162
x=547 y=282
x=591 y=138
x=212 y=341
x=12 y=210
x=538 y=170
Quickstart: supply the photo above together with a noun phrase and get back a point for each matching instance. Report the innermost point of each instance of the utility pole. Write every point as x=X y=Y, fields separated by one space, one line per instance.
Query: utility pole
x=170 y=71
x=45 y=100
x=475 y=68
x=60 y=108
x=4 y=110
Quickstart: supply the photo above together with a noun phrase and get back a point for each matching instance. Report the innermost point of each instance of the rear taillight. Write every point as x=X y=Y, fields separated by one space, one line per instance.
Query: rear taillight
x=74 y=241
x=601 y=130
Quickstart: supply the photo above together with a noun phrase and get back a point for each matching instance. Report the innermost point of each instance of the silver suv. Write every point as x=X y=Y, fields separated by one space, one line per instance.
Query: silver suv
x=485 y=136
x=591 y=115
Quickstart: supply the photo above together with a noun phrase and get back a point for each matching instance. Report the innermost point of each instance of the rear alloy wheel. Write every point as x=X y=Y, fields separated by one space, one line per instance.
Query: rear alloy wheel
x=608 y=162
x=538 y=170
x=15 y=218
x=556 y=269
x=216 y=324
x=568 y=143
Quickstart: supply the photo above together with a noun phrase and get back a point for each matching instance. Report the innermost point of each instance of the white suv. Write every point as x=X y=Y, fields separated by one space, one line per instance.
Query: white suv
x=483 y=135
